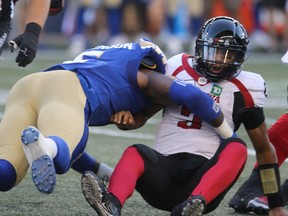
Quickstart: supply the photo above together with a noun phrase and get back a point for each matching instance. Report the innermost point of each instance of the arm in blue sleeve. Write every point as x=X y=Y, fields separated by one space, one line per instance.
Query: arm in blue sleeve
x=196 y=100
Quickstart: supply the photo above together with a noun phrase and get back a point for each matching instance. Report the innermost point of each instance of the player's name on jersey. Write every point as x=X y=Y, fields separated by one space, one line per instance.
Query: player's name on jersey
x=125 y=46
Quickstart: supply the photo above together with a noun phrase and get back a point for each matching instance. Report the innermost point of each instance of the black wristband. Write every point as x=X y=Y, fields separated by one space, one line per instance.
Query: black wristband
x=270 y=179
x=33 y=28
x=275 y=200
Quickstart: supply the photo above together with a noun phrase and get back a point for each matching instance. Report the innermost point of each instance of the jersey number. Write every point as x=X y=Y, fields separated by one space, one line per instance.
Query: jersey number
x=195 y=123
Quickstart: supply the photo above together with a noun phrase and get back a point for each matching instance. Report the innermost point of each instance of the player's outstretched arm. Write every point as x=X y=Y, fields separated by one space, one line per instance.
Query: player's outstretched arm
x=165 y=90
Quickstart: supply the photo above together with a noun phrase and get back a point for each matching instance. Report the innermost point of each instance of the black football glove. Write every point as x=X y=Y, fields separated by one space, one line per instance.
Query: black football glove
x=5 y=28
x=28 y=43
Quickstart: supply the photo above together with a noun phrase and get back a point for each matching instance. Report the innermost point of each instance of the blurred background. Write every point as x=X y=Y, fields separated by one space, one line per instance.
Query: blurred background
x=172 y=24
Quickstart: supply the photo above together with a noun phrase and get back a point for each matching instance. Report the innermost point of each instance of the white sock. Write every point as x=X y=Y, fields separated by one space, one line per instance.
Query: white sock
x=52 y=147
x=104 y=170
x=224 y=130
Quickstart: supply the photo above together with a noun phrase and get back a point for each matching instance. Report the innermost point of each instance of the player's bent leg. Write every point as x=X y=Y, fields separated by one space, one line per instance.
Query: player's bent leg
x=46 y=156
x=7 y=175
x=40 y=160
x=225 y=166
x=86 y=162
x=95 y=193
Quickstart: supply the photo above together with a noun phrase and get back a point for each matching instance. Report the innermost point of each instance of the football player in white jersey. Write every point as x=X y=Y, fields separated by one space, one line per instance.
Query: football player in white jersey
x=190 y=169
x=249 y=196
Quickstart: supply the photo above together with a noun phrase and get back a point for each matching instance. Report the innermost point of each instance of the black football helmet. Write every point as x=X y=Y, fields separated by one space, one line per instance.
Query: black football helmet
x=220 y=48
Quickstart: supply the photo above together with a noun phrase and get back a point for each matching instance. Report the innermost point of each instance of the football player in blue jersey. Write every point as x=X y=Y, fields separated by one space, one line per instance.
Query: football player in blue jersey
x=55 y=108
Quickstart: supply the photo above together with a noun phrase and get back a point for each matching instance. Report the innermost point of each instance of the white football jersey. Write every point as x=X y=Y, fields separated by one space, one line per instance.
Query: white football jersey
x=182 y=131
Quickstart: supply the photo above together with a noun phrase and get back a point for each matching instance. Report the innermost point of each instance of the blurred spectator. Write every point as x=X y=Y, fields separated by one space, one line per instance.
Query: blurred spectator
x=242 y=10
x=155 y=17
x=285 y=39
x=79 y=16
x=197 y=15
x=172 y=24
x=224 y=8
x=183 y=20
x=113 y=12
x=89 y=22
x=272 y=17
x=133 y=22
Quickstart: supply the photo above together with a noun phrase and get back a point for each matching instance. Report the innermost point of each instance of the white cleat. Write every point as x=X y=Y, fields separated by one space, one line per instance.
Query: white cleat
x=41 y=162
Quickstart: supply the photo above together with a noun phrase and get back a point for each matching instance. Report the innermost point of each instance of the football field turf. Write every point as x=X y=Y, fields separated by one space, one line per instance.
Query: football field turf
x=107 y=144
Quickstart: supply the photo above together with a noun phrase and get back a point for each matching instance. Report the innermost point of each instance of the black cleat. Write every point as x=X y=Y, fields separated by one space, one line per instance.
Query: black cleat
x=259 y=205
x=193 y=206
x=95 y=193
x=284 y=190
x=250 y=189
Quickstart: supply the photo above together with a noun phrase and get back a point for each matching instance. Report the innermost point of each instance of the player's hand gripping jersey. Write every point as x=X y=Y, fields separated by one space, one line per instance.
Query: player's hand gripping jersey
x=108 y=75
x=236 y=97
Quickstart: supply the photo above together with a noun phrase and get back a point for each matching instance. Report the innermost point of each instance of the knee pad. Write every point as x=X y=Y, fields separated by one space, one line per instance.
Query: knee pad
x=7 y=175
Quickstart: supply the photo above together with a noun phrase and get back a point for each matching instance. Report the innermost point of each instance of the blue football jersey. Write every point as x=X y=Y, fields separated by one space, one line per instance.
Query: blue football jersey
x=108 y=75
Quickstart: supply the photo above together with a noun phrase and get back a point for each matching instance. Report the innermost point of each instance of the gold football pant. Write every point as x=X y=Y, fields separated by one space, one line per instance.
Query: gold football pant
x=53 y=102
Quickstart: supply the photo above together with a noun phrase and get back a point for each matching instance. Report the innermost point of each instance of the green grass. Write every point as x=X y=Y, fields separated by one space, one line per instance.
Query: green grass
x=67 y=199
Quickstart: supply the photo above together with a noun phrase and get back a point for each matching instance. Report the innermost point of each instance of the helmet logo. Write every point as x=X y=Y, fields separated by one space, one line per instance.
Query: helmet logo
x=226 y=43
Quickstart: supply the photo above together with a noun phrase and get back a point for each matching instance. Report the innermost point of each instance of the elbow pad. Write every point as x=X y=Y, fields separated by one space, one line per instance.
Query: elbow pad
x=194 y=99
x=252 y=118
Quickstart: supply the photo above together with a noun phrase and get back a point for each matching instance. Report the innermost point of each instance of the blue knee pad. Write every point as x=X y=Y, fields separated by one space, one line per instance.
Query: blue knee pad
x=62 y=160
x=7 y=175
